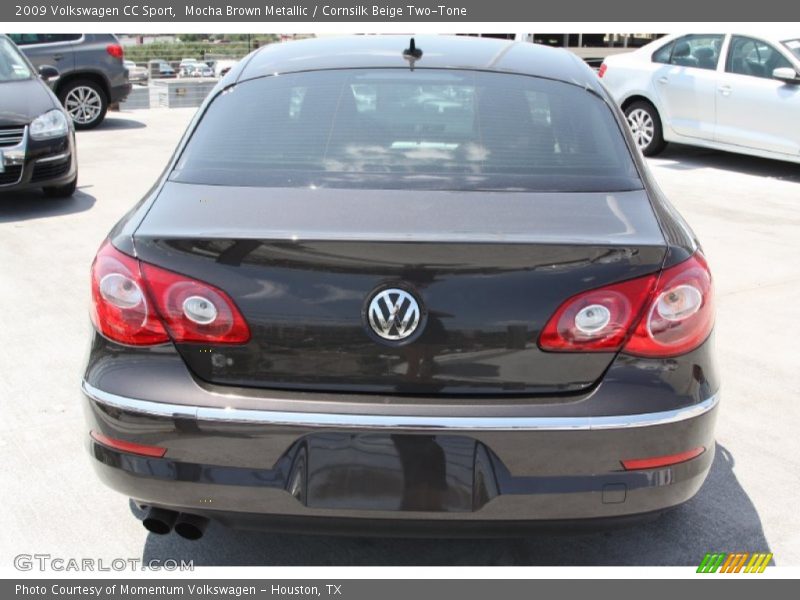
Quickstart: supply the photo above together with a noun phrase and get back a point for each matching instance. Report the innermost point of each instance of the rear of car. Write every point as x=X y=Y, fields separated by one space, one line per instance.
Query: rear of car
x=186 y=67
x=222 y=66
x=160 y=69
x=203 y=70
x=136 y=73
x=37 y=140
x=367 y=295
x=92 y=74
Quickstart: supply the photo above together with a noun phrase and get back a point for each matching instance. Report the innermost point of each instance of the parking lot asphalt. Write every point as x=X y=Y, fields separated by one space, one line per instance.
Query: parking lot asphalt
x=745 y=210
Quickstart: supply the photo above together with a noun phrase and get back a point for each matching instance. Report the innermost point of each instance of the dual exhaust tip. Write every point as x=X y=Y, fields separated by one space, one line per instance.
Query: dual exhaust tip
x=162 y=521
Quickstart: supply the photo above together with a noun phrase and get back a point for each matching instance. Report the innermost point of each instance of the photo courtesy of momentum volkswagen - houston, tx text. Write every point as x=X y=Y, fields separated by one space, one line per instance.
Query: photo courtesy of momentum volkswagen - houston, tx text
x=292 y=330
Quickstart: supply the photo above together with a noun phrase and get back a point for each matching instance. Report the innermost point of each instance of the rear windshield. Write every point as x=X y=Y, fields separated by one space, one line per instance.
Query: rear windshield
x=401 y=129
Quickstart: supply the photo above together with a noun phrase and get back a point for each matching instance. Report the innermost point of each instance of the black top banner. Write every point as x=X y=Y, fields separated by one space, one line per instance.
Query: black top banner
x=464 y=11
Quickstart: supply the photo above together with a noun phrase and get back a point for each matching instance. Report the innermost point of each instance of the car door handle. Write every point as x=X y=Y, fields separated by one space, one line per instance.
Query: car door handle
x=662 y=80
x=725 y=90
x=58 y=57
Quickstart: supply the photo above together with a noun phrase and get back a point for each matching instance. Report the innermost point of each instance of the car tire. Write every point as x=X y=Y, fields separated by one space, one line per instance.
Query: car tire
x=645 y=125
x=62 y=191
x=85 y=102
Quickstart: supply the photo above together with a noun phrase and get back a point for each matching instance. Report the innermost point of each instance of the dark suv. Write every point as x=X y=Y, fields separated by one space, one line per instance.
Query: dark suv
x=93 y=75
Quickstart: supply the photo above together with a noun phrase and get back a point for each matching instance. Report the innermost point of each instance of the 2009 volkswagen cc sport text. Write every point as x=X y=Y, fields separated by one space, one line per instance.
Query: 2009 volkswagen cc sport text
x=404 y=286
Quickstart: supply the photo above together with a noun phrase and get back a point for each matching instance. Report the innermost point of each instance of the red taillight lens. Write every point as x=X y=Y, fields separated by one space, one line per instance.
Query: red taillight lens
x=602 y=70
x=121 y=310
x=598 y=320
x=115 y=50
x=130 y=447
x=664 y=315
x=655 y=462
x=680 y=316
x=194 y=311
x=140 y=304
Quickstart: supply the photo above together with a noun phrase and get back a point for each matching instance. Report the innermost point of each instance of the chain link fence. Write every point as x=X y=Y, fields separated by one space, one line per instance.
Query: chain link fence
x=176 y=51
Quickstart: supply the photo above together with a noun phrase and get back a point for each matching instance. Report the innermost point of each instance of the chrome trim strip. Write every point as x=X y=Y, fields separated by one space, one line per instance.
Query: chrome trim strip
x=13 y=156
x=367 y=421
x=11 y=137
x=55 y=157
x=22 y=144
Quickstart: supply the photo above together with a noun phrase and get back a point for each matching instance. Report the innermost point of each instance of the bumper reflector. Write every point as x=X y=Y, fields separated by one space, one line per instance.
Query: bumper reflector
x=654 y=462
x=129 y=447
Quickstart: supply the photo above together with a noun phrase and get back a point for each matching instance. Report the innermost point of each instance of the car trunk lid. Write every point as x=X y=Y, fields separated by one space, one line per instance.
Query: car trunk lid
x=487 y=268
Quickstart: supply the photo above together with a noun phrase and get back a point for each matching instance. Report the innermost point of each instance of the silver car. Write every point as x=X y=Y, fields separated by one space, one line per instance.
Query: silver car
x=738 y=92
x=136 y=74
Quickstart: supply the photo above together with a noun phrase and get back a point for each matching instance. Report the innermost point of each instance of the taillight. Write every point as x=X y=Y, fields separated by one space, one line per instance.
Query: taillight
x=194 y=311
x=115 y=50
x=121 y=310
x=659 y=316
x=598 y=320
x=140 y=304
x=602 y=70
x=681 y=314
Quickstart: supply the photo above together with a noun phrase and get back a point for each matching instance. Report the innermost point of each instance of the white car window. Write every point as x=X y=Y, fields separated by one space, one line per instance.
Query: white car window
x=794 y=46
x=755 y=58
x=699 y=51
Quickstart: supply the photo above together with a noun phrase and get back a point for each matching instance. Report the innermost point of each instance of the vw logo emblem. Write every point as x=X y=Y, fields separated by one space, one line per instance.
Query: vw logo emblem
x=393 y=314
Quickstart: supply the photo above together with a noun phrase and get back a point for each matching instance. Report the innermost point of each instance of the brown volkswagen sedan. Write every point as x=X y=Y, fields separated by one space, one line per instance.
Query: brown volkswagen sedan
x=394 y=285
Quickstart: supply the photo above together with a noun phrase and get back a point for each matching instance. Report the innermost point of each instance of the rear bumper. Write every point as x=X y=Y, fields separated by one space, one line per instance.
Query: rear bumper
x=118 y=93
x=281 y=469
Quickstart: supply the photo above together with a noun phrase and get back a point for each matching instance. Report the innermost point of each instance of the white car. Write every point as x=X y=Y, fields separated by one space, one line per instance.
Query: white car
x=734 y=92
x=223 y=65
x=136 y=74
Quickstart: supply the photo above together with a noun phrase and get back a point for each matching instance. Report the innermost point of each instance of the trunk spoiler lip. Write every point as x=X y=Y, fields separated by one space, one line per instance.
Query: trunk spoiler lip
x=299 y=215
x=332 y=420
x=391 y=237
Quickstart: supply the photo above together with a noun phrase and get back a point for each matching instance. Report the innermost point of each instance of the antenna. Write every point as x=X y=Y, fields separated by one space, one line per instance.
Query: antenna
x=412 y=54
